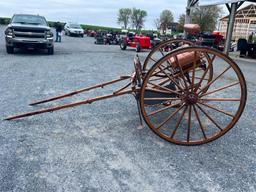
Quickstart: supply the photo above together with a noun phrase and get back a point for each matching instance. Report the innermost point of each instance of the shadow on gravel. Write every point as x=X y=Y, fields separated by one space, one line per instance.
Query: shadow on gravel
x=31 y=52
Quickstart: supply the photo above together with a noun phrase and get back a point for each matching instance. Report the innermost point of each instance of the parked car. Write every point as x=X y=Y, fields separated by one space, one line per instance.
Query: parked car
x=73 y=29
x=28 y=31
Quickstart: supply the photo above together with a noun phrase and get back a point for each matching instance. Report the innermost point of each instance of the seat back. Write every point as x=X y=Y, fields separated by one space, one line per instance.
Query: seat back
x=185 y=60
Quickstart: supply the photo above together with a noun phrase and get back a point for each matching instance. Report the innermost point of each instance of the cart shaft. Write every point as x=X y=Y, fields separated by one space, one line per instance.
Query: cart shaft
x=81 y=90
x=88 y=101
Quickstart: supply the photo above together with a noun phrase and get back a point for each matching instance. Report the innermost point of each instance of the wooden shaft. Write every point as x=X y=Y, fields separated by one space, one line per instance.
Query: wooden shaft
x=88 y=101
x=80 y=91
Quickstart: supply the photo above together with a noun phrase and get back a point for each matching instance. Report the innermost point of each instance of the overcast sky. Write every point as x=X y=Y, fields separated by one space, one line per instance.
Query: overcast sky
x=95 y=12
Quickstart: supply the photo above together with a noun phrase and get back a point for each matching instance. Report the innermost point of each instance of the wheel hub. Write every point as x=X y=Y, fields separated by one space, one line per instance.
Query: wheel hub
x=191 y=98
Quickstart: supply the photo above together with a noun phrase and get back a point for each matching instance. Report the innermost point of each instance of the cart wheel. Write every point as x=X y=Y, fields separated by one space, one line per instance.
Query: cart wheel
x=194 y=110
x=163 y=49
x=137 y=48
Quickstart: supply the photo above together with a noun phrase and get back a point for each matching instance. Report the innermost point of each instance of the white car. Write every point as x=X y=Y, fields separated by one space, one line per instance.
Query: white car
x=73 y=29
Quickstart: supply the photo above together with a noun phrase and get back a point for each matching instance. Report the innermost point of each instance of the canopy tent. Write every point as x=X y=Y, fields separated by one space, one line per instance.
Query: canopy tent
x=232 y=6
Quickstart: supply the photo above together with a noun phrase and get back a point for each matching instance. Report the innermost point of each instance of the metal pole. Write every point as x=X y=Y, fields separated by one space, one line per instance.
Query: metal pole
x=230 y=27
x=187 y=16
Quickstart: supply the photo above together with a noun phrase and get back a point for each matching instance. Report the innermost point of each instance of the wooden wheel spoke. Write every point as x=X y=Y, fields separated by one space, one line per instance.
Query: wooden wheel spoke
x=161 y=99
x=212 y=81
x=153 y=59
x=213 y=57
x=171 y=78
x=210 y=61
x=199 y=121
x=163 y=82
x=205 y=79
x=164 y=88
x=189 y=122
x=179 y=121
x=157 y=79
x=181 y=70
x=161 y=52
x=170 y=116
x=219 y=89
x=220 y=99
x=157 y=90
x=193 y=72
x=163 y=109
x=168 y=62
x=216 y=109
x=156 y=73
x=209 y=117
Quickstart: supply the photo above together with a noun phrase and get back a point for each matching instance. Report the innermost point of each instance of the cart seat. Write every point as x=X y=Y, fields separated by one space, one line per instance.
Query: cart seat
x=185 y=60
x=192 y=29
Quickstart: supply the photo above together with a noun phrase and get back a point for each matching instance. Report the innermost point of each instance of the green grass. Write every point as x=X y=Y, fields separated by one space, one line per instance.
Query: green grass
x=95 y=28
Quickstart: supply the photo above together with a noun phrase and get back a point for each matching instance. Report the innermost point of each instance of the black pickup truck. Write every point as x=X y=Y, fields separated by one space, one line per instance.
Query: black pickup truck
x=28 y=31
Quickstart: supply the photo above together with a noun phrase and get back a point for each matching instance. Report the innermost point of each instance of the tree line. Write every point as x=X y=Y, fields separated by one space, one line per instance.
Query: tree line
x=131 y=17
x=4 y=21
x=206 y=17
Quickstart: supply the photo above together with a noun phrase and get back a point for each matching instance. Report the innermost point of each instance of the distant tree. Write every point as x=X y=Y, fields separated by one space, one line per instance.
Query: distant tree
x=181 y=22
x=157 y=23
x=206 y=17
x=182 y=19
x=124 y=15
x=4 y=21
x=166 y=19
x=138 y=18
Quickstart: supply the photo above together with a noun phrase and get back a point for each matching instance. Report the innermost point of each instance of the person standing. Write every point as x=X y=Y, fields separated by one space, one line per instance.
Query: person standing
x=58 y=28
x=250 y=39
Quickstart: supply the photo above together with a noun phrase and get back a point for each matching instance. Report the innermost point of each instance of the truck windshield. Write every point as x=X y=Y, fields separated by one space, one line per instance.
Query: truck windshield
x=75 y=26
x=29 y=19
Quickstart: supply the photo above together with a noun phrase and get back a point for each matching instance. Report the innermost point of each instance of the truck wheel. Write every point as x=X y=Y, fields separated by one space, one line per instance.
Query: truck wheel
x=137 y=48
x=123 y=45
x=9 y=49
x=50 y=51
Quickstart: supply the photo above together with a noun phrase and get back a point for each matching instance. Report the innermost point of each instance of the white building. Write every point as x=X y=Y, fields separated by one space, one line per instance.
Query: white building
x=245 y=23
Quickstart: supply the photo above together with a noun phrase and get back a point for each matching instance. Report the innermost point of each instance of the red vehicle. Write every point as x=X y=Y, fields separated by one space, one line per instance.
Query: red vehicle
x=219 y=40
x=135 y=41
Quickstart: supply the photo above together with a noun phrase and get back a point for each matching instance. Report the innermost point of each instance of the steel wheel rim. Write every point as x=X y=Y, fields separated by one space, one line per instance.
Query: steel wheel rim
x=232 y=122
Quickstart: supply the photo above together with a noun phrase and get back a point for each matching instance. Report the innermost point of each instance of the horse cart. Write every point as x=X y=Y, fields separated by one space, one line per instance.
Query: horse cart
x=188 y=95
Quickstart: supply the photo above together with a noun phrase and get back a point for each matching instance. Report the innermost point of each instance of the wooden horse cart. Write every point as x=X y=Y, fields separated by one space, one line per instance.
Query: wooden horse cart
x=187 y=95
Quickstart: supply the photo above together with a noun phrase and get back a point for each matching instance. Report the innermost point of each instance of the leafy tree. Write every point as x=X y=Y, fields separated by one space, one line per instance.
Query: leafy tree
x=166 y=19
x=181 y=22
x=124 y=17
x=138 y=18
x=157 y=23
x=206 y=17
x=182 y=19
